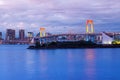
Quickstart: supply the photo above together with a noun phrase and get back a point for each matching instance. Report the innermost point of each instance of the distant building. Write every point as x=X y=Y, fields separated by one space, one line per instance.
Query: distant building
x=0 y=35
x=116 y=36
x=107 y=39
x=21 y=34
x=1 y=38
x=30 y=34
x=48 y=34
x=10 y=34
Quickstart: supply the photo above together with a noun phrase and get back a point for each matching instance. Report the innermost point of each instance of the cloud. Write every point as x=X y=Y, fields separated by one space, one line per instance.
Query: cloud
x=59 y=13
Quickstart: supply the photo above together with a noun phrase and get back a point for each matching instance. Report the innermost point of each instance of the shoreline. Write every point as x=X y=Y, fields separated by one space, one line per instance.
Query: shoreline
x=73 y=45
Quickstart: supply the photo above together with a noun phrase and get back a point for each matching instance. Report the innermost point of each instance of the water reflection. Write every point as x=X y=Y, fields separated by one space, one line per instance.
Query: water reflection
x=90 y=64
x=59 y=64
x=70 y=64
x=43 y=64
x=36 y=63
x=30 y=67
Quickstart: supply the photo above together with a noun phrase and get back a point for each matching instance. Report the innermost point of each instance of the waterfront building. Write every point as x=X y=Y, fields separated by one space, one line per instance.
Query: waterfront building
x=1 y=38
x=107 y=39
x=116 y=36
x=10 y=34
x=0 y=35
x=30 y=35
x=21 y=34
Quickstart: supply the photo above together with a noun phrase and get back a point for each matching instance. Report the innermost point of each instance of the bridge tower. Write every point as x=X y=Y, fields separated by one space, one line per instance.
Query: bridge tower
x=42 y=32
x=89 y=26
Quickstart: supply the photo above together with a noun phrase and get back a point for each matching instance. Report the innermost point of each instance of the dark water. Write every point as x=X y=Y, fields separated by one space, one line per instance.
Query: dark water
x=18 y=63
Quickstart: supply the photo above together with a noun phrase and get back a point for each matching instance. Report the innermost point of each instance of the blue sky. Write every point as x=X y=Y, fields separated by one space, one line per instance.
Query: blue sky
x=59 y=15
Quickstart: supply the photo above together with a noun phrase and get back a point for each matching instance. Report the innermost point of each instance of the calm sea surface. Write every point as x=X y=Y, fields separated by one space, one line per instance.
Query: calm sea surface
x=19 y=63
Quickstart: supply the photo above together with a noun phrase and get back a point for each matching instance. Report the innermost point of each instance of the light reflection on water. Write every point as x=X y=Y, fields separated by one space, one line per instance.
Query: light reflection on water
x=43 y=62
x=90 y=64
x=29 y=62
x=18 y=63
x=70 y=64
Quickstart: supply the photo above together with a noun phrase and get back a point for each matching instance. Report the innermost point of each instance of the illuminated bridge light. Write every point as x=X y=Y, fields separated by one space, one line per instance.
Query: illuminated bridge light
x=89 y=24
x=42 y=32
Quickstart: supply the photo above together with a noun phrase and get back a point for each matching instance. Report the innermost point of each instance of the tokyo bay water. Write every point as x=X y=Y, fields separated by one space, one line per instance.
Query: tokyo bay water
x=19 y=63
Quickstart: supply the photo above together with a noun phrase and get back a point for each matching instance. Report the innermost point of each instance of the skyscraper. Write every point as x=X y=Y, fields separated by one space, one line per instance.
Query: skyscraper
x=21 y=34
x=10 y=34
x=0 y=35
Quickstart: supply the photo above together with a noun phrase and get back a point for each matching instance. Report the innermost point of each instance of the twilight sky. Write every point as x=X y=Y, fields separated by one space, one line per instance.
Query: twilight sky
x=59 y=15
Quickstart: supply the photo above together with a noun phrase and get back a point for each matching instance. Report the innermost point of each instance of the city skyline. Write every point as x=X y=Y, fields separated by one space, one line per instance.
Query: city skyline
x=59 y=15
